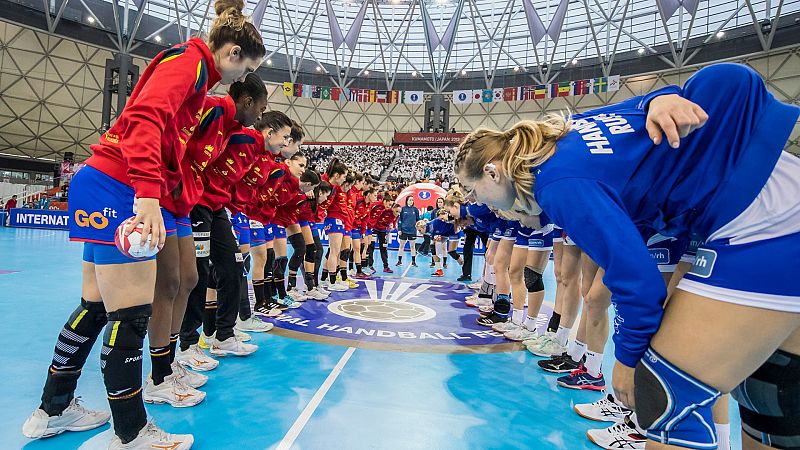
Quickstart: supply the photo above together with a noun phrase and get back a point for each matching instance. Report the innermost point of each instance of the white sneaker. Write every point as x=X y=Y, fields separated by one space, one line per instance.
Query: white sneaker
x=618 y=436
x=189 y=377
x=254 y=325
x=74 y=418
x=536 y=340
x=173 y=391
x=314 y=294
x=351 y=272
x=520 y=334
x=296 y=295
x=324 y=284
x=289 y=302
x=547 y=347
x=241 y=335
x=151 y=437
x=503 y=327
x=339 y=286
x=603 y=410
x=232 y=346
x=472 y=297
x=476 y=285
x=196 y=359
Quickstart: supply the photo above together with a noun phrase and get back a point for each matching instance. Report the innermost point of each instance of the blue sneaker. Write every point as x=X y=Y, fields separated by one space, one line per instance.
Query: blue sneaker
x=580 y=379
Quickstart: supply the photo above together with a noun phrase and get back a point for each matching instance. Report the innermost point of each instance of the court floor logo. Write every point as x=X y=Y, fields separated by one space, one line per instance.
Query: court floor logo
x=396 y=314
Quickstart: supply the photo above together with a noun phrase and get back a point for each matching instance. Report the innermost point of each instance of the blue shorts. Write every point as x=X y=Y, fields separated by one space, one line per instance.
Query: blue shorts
x=317 y=229
x=355 y=234
x=269 y=236
x=278 y=232
x=347 y=233
x=557 y=234
x=170 y=223
x=257 y=234
x=530 y=238
x=666 y=252
x=368 y=232
x=304 y=223
x=510 y=232
x=771 y=283
x=183 y=226
x=241 y=228
x=98 y=205
x=332 y=226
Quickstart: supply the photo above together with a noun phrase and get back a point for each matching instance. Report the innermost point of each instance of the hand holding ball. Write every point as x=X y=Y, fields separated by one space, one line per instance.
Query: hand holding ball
x=134 y=245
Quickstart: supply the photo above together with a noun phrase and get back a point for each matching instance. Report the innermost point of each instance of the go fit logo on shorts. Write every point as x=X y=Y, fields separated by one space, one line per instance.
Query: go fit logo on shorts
x=97 y=220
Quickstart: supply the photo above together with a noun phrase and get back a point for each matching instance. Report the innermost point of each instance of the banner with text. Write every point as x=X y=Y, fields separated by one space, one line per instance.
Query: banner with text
x=428 y=138
x=39 y=218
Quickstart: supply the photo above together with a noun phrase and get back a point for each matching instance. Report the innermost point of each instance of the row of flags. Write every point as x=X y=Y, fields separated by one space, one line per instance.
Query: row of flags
x=351 y=95
x=538 y=92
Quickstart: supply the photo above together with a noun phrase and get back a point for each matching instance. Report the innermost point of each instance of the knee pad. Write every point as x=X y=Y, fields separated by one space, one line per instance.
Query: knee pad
x=673 y=406
x=246 y=264
x=279 y=269
x=453 y=254
x=311 y=251
x=769 y=402
x=121 y=356
x=503 y=304
x=297 y=241
x=533 y=280
x=344 y=254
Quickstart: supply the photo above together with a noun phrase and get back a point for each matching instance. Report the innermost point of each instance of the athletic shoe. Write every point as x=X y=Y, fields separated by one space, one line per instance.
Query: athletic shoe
x=205 y=341
x=492 y=319
x=472 y=297
x=604 y=410
x=477 y=284
x=289 y=303
x=538 y=339
x=581 y=379
x=432 y=264
x=253 y=325
x=351 y=284
x=399 y=262
x=618 y=436
x=438 y=273
x=351 y=272
x=297 y=295
x=361 y=276
x=479 y=302
x=196 y=359
x=548 y=346
x=520 y=334
x=188 y=377
x=387 y=270
x=372 y=269
x=152 y=437
x=562 y=363
x=172 y=391
x=486 y=309
x=324 y=284
x=241 y=335
x=315 y=294
x=414 y=264
x=232 y=346
x=502 y=327
x=463 y=279
x=339 y=286
x=267 y=310
x=74 y=418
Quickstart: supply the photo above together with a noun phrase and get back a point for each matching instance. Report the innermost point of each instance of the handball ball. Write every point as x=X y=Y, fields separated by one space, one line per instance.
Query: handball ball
x=133 y=245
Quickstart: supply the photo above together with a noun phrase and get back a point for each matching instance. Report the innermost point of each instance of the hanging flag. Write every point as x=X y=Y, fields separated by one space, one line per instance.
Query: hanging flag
x=509 y=94
x=552 y=91
x=288 y=88
x=394 y=96
x=412 y=97
x=525 y=93
x=345 y=95
x=600 y=85
x=363 y=95
x=613 y=83
x=497 y=95
x=564 y=88
x=316 y=92
x=372 y=95
x=335 y=91
x=381 y=96
x=460 y=97
x=326 y=93
x=298 y=90
x=308 y=91
x=477 y=95
x=487 y=95
x=539 y=92
x=580 y=87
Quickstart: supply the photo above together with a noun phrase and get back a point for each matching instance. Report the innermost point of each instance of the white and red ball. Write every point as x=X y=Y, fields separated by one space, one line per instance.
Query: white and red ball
x=134 y=245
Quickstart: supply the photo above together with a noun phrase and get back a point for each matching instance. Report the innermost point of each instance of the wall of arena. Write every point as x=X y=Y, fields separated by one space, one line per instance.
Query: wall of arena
x=51 y=97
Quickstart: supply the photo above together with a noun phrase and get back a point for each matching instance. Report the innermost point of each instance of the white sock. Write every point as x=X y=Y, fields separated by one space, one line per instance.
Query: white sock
x=576 y=349
x=490 y=278
x=723 y=435
x=517 y=316
x=562 y=335
x=530 y=323
x=594 y=362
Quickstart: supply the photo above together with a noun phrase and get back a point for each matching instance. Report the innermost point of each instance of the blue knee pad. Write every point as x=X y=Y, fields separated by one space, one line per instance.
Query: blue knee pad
x=673 y=406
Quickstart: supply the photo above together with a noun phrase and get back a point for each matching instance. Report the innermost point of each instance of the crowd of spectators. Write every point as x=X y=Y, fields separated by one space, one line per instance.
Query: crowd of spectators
x=419 y=164
x=373 y=160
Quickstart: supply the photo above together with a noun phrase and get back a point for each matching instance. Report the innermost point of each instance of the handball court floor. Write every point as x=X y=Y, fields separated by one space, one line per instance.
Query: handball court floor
x=321 y=381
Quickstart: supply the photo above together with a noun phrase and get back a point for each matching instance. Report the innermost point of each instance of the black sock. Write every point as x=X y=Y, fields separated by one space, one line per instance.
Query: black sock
x=358 y=268
x=159 y=358
x=72 y=348
x=210 y=318
x=308 y=277
x=278 y=274
x=121 y=363
x=555 y=321
x=413 y=259
x=343 y=273
x=258 y=290
x=292 y=279
x=332 y=276
x=325 y=274
x=502 y=306
x=173 y=343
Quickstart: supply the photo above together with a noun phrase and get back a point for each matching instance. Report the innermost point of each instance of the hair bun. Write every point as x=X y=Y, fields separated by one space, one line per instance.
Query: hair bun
x=230 y=6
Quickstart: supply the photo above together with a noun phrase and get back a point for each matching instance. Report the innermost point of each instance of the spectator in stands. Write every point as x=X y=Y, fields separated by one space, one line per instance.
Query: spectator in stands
x=11 y=203
x=453 y=130
x=419 y=163
x=44 y=202
x=369 y=160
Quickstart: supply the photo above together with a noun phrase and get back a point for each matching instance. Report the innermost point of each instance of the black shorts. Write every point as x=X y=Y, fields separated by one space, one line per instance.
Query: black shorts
x=407 y=236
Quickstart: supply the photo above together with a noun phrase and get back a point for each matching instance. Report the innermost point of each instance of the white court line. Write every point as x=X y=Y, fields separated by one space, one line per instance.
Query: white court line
x=301 y=421
x=405 y=272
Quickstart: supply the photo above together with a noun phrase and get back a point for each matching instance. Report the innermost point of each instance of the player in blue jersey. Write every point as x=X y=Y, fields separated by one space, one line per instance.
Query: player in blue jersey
x=606 y=175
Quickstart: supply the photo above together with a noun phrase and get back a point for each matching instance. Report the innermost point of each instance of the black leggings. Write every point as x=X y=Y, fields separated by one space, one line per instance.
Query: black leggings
x=470 y=236
x=382 y=242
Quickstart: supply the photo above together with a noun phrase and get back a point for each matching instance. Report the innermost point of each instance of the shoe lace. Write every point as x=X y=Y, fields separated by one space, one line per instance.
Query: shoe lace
x=579 y=371
x=151 y=429
x=76 y=405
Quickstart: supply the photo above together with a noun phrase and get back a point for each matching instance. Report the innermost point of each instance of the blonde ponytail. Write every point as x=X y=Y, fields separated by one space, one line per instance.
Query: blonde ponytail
x=232 y=26
x=525 y=145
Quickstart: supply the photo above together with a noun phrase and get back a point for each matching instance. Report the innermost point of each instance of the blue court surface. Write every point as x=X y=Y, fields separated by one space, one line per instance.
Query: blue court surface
x=396 y=364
